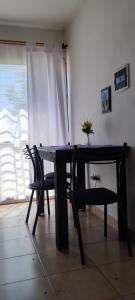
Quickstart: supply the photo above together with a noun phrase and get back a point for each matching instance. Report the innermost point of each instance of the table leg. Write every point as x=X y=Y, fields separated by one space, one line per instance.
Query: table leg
x=122 y=191
x=61 y=211
x=81 y=179
x=41 y=207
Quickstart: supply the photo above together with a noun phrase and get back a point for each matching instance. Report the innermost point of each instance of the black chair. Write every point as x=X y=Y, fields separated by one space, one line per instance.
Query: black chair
x=40 y=184
x=52 y=175
x=95 y=196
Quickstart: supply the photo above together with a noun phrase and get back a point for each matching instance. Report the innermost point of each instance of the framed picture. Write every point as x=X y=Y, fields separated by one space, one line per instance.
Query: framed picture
x=121 y=78
x=106 y=99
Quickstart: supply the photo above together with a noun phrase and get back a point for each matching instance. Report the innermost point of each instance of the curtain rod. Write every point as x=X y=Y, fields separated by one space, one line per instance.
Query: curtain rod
x=22 y=43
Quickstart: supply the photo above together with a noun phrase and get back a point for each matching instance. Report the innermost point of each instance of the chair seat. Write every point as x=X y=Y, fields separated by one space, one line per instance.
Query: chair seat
x=48 y=184
x=51 y=175
x=96 y=196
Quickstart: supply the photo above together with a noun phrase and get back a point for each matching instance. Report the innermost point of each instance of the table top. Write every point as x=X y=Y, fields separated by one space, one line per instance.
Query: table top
x=64 y=152
x=79 y=146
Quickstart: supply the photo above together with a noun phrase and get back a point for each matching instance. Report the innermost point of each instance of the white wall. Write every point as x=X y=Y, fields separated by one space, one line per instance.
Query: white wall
x=101 y=39
x=30 y=34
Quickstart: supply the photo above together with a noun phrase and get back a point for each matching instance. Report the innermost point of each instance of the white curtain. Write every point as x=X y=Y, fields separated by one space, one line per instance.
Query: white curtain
x=47 y=96
x=37 y=76
x=14 y=169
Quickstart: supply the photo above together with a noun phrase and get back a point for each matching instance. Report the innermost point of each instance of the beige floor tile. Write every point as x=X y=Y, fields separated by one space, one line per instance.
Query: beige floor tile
x=83 y=284
x=89 y=219
x=11 y=221
x=44 y=243
x=17 y=247
x=35 y=289
x=71 y=280
x=129 y=297
x=86 y=217
x=10 y=210
x=118 y=298
x=107 y=252
x=34 y=207
x=13 y=233
x=121 y=275
x=93 y=235
x=58 y=262
x=45 y=226
x=25 y=209
x=31 y=215
x=20 y=268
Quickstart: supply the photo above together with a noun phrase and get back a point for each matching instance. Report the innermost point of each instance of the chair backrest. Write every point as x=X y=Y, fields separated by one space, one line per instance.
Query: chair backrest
x=96 y=156
x=101 y=154
x=33 y=155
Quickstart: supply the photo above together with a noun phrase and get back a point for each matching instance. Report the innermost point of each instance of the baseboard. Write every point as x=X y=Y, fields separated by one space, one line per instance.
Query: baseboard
x=100 y=214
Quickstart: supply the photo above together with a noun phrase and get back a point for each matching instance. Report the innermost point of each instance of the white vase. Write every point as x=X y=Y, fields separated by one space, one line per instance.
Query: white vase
x=88 y=139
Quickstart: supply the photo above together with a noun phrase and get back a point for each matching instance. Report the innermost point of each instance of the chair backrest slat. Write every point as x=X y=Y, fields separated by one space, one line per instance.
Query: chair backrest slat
x=33 y=155
x=39 y=165
x=30 y=155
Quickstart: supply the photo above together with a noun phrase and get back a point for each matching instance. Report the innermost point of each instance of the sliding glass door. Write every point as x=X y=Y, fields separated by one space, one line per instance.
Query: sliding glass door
x=14 y=169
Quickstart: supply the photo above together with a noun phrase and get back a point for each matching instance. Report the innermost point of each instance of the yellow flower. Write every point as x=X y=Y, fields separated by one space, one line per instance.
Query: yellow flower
x=87 y=127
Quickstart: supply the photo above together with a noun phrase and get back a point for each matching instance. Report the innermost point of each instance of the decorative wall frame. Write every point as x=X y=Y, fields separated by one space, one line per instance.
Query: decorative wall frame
x=106 y=99
x=121 y=78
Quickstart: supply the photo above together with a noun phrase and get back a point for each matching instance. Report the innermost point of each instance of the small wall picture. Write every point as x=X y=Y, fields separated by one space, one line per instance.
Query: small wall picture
x=106 y=99
x=121 y=78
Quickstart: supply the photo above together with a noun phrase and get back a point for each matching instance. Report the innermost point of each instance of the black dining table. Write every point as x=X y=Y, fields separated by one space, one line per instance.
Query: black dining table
x=61 y=156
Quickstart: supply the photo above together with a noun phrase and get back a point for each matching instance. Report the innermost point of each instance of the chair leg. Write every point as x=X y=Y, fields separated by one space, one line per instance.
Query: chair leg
x=127 y=232
x=105 y=220
x=129 y=242
x=29 y=207
x=41 y=208
x=74 y=220
x=78 y=227
x=74 y=216
x=48 y=203
x=37 y=215
x=80 y=239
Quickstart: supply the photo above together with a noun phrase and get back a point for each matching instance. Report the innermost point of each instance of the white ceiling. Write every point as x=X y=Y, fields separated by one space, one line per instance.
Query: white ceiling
x=51 y=14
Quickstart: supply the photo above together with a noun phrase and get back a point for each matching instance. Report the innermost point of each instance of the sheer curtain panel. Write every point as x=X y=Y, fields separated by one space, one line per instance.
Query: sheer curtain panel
x=47 y=95
x=31 y=78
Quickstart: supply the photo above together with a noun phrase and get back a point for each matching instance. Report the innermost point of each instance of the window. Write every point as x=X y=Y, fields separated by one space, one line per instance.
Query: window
x=14 y=169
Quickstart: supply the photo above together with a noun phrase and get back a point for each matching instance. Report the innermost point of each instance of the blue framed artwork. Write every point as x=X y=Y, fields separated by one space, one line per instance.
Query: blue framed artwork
x=121 y=78
x=106 y=99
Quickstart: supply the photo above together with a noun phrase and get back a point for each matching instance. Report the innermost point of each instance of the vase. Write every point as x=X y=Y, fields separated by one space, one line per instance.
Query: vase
x=88 y=139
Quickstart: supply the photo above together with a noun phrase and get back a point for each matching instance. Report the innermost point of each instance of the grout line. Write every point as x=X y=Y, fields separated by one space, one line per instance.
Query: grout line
x=44 y=270
x=106 y=278
x=23 y=280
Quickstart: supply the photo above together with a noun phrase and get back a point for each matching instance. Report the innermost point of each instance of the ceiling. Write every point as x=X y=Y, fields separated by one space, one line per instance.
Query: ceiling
x=50 y=14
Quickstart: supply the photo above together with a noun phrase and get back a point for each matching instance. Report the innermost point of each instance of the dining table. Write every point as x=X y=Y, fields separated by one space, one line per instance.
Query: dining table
x=61 y=156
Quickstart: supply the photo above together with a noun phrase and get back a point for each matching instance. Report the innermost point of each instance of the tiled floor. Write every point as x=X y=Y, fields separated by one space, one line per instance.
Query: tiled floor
x=32 y=269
